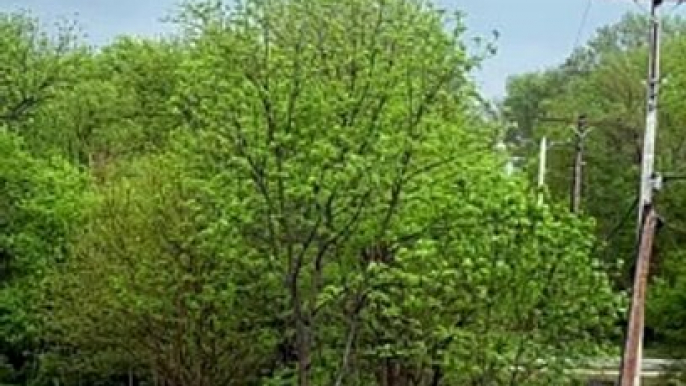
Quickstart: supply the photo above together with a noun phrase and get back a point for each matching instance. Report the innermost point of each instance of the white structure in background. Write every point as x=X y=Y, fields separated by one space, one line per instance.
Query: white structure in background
x=510 y=168
x=542 y=157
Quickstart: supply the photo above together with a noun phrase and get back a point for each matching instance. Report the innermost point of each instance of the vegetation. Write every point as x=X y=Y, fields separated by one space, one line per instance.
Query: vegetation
x=600 y=80
x=295 y=192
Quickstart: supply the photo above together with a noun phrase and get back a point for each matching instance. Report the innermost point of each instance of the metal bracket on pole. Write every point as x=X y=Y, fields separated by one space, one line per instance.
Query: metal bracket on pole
x=657 y=181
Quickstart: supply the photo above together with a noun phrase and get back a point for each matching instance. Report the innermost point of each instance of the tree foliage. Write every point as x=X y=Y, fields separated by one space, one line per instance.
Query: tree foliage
x=40 y=210
x=289 y=192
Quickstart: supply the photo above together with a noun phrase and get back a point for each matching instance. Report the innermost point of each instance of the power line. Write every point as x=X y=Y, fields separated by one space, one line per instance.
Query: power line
x=582 y=24
x=675 y=6
x=641 y=7
x=622 y=221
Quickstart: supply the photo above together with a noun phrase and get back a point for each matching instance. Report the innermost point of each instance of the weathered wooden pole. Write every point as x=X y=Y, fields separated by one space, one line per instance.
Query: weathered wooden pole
x=630 y=374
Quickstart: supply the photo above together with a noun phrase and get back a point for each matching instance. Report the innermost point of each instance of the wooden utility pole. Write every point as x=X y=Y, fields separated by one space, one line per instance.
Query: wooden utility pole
x=630 y=374
x=648 y=156
x=632 y=359
x=577 y=178
x=580 y=133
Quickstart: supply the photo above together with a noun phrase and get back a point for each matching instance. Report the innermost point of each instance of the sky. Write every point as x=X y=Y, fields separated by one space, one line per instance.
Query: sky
x=533 y=34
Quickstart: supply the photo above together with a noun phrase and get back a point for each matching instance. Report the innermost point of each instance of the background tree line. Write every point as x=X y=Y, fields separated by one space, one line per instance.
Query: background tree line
x=284 y=192
x=605 y=81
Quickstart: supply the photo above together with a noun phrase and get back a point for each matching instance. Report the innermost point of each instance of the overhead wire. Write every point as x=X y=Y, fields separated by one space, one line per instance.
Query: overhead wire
x=603 y=249
x=614 y=231
x=582 y=24
x=641 y=6
x=675 y=6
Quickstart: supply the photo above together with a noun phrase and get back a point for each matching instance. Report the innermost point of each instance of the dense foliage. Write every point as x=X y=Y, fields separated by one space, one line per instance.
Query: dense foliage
x=286 y=192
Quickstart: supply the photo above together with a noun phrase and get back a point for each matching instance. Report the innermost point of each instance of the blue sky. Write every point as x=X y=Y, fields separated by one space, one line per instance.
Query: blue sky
x=534 y=34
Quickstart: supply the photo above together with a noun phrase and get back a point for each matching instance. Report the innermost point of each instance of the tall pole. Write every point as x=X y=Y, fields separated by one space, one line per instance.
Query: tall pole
x=632 y=358
x=648 y=158
x=630 y=374
x=577 y=179
x=543 y=150
x=580 y=132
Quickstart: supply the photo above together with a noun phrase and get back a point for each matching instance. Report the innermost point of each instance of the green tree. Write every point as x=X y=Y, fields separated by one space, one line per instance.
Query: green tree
x=40 y=208
x=34 y=67
x=116 y=109
x=164 y=289
x=332 y=188
x=290 y=192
